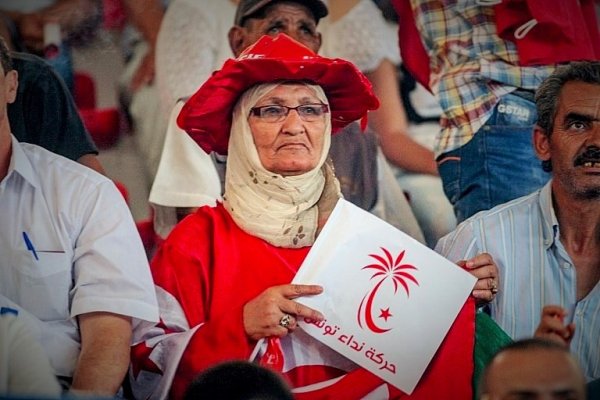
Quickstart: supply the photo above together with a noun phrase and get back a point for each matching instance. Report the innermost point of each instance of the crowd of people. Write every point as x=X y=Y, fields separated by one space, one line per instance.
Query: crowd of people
x=473 y=127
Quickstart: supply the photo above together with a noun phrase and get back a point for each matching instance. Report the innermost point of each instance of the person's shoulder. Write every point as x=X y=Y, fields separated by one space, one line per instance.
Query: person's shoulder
x=30 y=66
x=52 y=166
x=485 y=221
x=517 y=208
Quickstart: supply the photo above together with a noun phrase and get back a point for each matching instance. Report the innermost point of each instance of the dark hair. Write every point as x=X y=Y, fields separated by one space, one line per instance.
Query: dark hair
x=5 y=59
x=238 y=380
x=519 y=345
x=546 y=96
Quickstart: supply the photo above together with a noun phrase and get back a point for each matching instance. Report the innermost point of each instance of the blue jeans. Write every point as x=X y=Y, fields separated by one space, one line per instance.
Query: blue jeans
x=498 y=164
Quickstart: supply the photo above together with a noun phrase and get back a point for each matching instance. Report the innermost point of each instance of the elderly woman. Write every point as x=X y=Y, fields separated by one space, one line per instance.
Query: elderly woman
x=223 y=275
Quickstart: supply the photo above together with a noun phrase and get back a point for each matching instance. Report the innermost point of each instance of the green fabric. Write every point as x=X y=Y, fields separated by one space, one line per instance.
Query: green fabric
x=489 y=338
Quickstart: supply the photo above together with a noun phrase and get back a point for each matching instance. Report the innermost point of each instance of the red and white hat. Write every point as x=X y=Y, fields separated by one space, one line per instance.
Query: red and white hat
x=207 y=115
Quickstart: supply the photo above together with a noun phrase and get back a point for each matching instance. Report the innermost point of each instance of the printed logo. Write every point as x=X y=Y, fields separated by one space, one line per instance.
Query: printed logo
x=387 y=269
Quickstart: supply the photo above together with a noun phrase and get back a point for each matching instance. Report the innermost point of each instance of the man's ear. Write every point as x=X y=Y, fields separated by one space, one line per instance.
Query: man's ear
x=11 y=83
x=541 y=143
x=320 y=41
x=237 y=36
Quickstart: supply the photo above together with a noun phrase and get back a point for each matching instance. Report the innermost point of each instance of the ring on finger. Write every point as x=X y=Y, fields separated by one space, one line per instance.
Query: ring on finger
x=494 y=287
x=285 y=321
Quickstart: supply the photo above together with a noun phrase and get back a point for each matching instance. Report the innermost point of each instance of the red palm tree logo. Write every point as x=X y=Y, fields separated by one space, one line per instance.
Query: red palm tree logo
x=386 y=268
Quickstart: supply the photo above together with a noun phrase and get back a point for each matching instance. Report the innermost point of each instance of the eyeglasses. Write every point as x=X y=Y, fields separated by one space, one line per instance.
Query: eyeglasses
x=277 y=113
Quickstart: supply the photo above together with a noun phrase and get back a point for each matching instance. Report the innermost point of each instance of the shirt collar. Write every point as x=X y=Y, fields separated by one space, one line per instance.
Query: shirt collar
x=550 y=228
x=20 y=164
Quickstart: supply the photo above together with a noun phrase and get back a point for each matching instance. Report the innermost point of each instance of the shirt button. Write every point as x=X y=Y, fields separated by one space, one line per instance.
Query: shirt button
x=566 y=265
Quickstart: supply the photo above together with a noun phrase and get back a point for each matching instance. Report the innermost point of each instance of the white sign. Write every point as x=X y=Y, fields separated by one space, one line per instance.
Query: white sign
x=388 y=300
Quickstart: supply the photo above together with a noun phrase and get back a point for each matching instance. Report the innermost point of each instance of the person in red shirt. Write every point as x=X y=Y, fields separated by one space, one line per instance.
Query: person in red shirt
x=223 y=275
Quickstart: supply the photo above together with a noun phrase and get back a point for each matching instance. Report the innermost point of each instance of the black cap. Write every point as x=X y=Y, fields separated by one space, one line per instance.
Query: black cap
x=248 y=7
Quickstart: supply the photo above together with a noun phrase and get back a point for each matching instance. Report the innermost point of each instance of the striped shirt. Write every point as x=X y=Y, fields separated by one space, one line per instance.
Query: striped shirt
x=535 y=270
x=471 y=67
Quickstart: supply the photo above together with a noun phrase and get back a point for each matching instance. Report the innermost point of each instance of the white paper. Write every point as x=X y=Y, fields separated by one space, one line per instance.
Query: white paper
x=391 y=330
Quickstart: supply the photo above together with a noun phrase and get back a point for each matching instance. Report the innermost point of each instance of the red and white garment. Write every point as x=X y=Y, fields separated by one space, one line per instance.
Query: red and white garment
x=207 y=270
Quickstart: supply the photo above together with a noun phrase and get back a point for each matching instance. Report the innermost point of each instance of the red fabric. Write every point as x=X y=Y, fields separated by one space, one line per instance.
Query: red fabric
x=206 y=116
x=213 y=268
x=413 y=52
x=566 y=30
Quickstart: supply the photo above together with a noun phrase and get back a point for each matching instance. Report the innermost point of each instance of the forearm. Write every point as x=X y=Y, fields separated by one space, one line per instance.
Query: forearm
x=390 y=123
x=402 y=151
x=104 y=356
x=146 y=16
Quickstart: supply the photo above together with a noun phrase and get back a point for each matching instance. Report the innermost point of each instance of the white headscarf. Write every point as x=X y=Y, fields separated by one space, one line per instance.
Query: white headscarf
x=284 y=211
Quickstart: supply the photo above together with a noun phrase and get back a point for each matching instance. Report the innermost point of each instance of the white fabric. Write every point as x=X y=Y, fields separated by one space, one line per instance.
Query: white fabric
x=192 y=43
x=361 y=37
x=179 y=181
x=89 y=254
x=24 y=368
x=281 y=210
x=425 y=104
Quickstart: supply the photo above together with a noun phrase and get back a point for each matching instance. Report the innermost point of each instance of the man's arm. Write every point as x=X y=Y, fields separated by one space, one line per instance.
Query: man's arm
x=104 y=356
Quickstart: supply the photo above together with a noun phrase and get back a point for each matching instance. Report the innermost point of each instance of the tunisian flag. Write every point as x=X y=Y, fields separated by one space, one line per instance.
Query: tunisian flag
x=389 y=302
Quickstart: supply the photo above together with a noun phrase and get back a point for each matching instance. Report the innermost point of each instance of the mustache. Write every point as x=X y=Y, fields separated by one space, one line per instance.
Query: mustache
x=591 y=154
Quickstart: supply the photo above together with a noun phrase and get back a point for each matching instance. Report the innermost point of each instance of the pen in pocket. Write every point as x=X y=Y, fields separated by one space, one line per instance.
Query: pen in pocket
x=29 y=245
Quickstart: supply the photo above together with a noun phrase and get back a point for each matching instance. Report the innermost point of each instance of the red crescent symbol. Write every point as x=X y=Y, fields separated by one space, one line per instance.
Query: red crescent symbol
x=368 y=311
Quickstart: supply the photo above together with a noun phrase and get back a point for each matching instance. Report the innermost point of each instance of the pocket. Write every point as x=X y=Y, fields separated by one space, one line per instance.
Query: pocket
x=41 y=286
x=449 y=170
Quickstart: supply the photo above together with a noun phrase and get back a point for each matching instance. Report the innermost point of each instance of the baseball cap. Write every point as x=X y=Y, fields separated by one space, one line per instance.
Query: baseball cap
x=248 y=7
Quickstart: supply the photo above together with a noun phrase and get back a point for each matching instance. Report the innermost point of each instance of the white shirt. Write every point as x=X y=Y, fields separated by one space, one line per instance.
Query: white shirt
x=88 y=255
x=24 y=368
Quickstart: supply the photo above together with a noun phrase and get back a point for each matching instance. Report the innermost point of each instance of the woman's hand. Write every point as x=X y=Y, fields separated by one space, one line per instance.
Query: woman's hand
x=482 y=267
x=552 y=326
x=263 y=314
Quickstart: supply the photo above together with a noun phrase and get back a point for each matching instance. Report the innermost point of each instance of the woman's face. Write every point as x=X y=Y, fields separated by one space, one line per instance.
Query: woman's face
x=291 y=146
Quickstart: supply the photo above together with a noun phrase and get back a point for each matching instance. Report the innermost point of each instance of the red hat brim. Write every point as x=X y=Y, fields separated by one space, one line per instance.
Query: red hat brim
x=207 y=115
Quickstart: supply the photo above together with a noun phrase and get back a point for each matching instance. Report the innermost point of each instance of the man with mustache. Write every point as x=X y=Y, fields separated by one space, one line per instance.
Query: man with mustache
x=547 y=244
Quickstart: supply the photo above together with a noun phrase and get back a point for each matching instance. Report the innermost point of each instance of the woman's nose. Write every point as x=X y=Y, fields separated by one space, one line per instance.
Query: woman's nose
x=292 y=123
